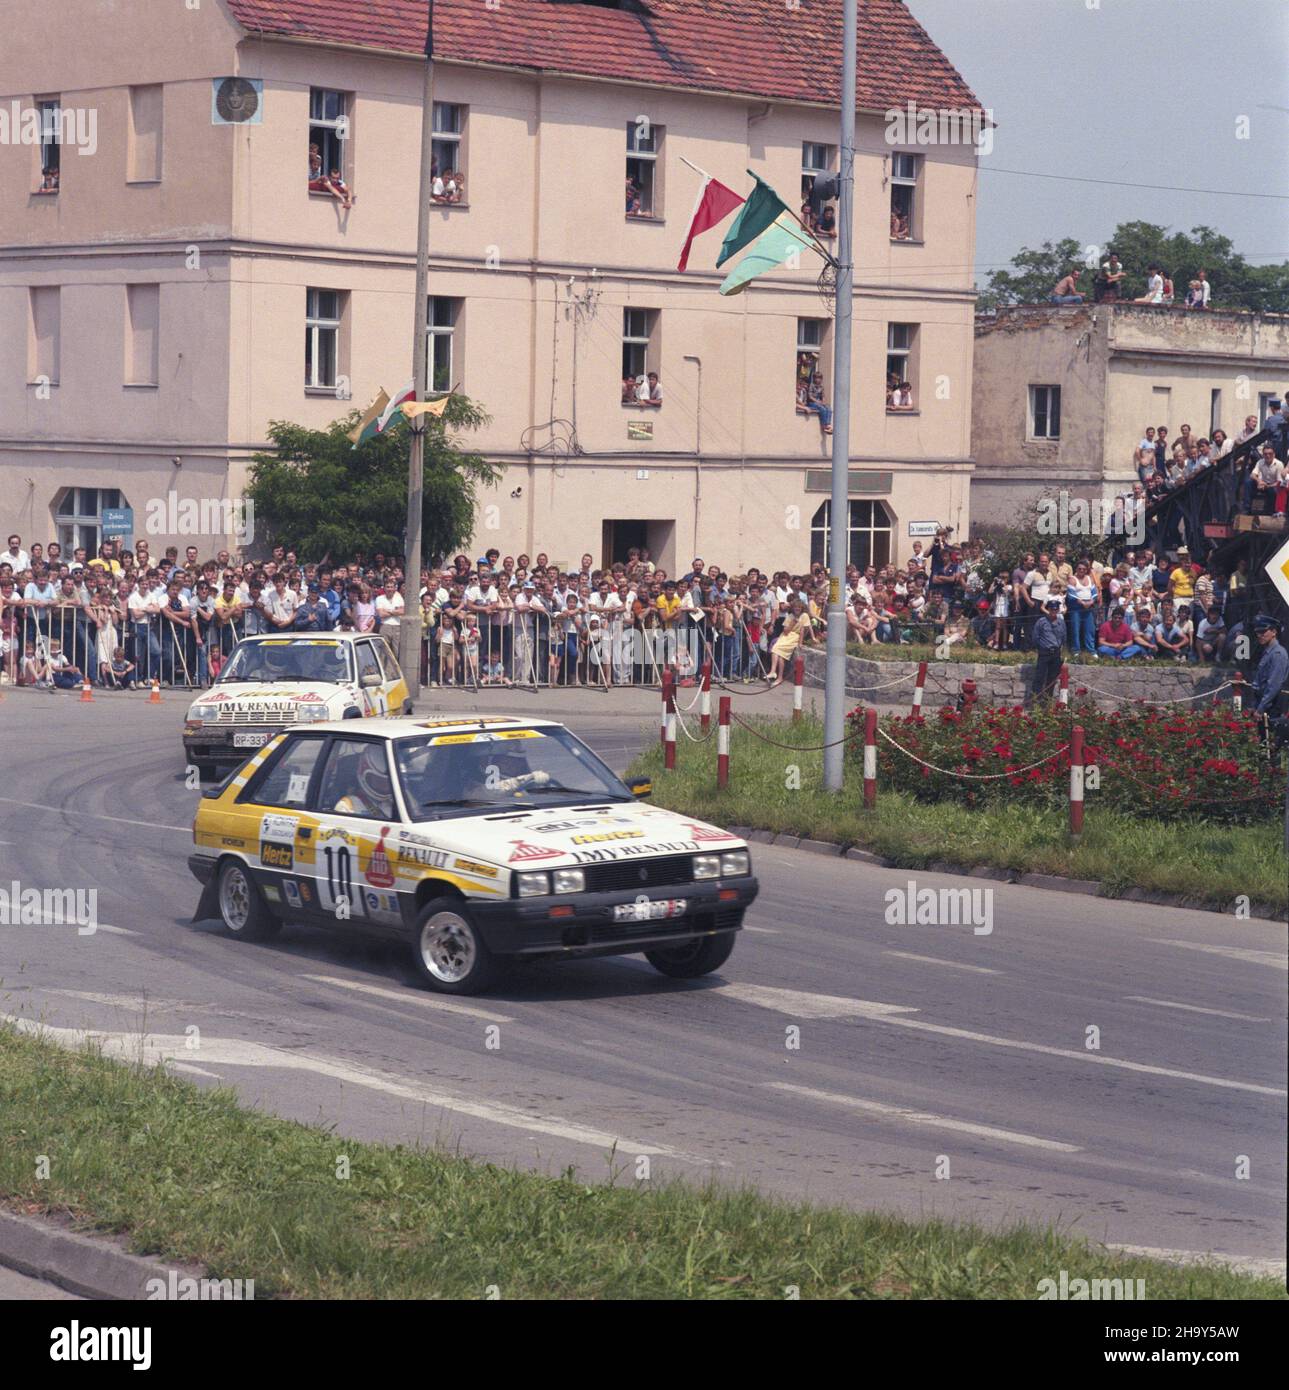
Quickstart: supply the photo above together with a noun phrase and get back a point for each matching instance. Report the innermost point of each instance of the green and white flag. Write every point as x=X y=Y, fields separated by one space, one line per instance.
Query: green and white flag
x=784 y=238
x=762 y=207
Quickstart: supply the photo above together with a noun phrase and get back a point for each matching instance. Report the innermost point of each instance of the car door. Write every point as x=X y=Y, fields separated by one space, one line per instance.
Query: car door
x=395 y=686
x=371 y=679
x=277 y=827
x=353 y=858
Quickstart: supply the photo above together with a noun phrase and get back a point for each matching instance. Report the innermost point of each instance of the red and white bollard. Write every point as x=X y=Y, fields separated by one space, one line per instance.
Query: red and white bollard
x=798 y=685
x=705 y=699
x=668 y=690
x=723 y=743
x=918 y=689
x=870 y=759
x=1237 y=692
x=669 y=730
x=1076 y=781
x=1063 y=690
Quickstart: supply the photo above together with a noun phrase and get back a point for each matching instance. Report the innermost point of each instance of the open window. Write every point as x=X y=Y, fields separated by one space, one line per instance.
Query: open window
x=323 y=316
x=818 y=161
x=51 y=121
x=442 y=321
x=644 y=168
x=906 y=210
x=812 y=338
x=1045 y=412
x=901 y=346
x=329 y=117
x=449 y=152
x=640 y=385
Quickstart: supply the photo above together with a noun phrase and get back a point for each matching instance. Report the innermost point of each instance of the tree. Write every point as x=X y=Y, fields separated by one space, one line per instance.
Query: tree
x=318 y=495
x=1139 y=245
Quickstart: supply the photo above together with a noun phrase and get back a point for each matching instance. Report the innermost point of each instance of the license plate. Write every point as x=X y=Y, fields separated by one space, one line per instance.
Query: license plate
x=250 y=740
x=649 y=911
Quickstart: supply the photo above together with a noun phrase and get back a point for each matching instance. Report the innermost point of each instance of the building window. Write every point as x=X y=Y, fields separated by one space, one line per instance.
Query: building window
x=817 y=161
x=868 y=538
x=328 y=132
x=51 y=122
x=1214 y=410
x=644 y=182
x=1045 y=412
x=322 y=339
x=901 y=340
x=43 y=334
x=640 y=357
x=812 y=335
x=441 y=326
x=905 y=209
x=449 y=152
x=78 y=517
x=142 y=332
x=144 y=135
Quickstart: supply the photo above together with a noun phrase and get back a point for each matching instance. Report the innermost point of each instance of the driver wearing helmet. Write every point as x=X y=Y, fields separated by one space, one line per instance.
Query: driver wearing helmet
x=495 y=768
x=370 y=791
x=277 y=663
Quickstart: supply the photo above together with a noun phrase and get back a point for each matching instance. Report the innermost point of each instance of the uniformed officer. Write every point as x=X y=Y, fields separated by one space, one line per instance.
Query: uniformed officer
x=1272 y=672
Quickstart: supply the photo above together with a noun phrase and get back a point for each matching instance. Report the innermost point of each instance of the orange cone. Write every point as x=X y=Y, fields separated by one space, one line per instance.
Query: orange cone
x=155 y=697
x=87 y=694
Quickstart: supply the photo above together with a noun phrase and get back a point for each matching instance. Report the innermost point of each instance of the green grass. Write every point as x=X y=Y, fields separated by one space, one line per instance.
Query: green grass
x=190 y=1174
x=1212 y=865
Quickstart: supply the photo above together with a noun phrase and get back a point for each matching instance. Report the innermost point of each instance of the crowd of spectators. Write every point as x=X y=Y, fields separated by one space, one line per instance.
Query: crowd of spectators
x=1108 y=286
x=1162 y=466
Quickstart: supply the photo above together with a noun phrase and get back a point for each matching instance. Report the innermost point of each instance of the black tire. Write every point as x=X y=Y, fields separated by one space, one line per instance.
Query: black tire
x=698 y=957
x=407 y=706
x=241 y=904
x=448 y=951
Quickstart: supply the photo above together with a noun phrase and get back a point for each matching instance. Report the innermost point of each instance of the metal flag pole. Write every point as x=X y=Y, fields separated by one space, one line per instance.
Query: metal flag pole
x=409 y=644
x=839 y=513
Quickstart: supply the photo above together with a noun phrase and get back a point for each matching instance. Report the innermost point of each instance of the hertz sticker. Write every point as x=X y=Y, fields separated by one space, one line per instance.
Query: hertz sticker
x=276 y=856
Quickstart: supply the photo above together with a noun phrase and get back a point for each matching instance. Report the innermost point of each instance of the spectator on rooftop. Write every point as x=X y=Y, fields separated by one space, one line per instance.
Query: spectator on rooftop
x=1066 y=290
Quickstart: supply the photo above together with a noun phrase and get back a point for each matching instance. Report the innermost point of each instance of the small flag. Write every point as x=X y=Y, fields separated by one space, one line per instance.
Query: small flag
x=395 y=405
x=413 y=410
x=714 y=204
x=759 y=211
x=772 y=248
x=365 y=429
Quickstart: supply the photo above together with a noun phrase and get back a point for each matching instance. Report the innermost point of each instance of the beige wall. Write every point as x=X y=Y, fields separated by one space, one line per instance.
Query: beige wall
x=234 y=239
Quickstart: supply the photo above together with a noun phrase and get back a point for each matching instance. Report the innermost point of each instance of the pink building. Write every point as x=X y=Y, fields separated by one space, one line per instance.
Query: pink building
x=172 y=280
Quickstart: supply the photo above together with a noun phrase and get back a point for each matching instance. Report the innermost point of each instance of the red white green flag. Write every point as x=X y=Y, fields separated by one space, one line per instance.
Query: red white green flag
x=714 y=204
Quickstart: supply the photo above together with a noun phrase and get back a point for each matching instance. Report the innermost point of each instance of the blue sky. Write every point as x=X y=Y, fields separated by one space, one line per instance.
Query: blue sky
x=1139 y=91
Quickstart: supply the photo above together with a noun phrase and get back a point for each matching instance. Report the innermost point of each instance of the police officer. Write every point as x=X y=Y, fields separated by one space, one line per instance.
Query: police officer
x=1049 y=638
x=1272 y=672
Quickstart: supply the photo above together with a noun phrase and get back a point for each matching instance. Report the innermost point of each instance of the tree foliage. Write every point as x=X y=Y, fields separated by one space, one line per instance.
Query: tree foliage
x=319 y=496
x=1236 y=283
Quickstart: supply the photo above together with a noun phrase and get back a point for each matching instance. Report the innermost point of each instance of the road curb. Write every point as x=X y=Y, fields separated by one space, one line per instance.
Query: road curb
x=91 y=1266
x=1085 y=887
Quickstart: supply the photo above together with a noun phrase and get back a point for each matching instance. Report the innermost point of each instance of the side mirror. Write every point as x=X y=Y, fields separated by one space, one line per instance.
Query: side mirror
x=371 y=680
x=640 y=786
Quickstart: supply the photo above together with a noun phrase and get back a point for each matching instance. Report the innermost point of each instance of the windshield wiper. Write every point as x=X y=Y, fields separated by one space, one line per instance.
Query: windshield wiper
x=459 y=801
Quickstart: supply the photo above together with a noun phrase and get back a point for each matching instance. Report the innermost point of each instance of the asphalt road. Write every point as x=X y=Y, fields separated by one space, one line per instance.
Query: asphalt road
x=835 y=1057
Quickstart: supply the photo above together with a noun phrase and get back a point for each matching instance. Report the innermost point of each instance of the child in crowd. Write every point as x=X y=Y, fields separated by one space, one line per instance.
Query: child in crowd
x=119 y=673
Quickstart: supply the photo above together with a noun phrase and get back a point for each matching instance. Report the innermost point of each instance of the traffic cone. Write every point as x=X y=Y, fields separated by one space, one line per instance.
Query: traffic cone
x=155 y=697
x=87 y=694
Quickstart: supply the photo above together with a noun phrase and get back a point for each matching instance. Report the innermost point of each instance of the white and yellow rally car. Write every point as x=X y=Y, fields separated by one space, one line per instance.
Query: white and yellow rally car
x=274 y=682
x=470 y=840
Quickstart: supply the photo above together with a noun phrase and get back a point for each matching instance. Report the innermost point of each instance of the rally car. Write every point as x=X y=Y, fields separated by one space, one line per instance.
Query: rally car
x=271 y=683
x=470 y=840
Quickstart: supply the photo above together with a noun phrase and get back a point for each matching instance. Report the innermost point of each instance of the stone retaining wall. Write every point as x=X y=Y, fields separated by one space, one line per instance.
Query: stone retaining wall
x=1011 y=685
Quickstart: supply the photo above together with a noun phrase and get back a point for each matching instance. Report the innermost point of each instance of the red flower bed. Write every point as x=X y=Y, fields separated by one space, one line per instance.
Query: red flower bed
x=1201 y=764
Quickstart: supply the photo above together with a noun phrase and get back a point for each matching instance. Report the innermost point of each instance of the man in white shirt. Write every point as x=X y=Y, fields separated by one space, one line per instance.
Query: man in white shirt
x=389 y=609
x=649 y=391
x=16 y=555
x=281 y=603
x=1265 y=478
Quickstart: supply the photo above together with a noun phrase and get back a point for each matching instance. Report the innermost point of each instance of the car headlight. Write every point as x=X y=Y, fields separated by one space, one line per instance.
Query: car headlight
x=534 y=885
x=707 y=866
x=568 y=880
x=200 y=713
x=734 y=862
x=308 y=714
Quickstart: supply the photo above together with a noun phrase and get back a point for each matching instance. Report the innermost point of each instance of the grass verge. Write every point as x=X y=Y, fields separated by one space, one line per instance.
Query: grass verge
x=191 y=1174
x=1212 y=865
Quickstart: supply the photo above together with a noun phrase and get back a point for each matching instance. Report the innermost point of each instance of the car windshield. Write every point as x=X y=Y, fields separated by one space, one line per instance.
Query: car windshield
x=288 y=660
x=455 y=774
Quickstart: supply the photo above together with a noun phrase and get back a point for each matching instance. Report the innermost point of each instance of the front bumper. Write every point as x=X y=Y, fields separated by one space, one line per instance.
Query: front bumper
x=525 y=927
x=214 y=743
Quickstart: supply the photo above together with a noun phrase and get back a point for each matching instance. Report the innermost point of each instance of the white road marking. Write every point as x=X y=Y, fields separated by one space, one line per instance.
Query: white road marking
x=96 y=815
x=193 y=1071
x=935 y=960
x=98 y=926
x=411 y=996
x=1267 y=1265
x=1244 y=953
x=798 y=1003
x=920 y=1117
x=1194 y=1008
x=116 y=931
x=154 y=1049
x=763 y=931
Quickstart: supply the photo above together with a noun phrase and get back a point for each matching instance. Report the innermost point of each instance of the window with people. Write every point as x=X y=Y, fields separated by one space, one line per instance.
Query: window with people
x=447 y=170
x=812 y=336
x=818 y=188
x=328 y=141
x=644 y=168
x=640 y=381
x=901 y=343
x=905 y=169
